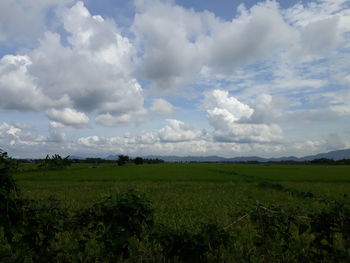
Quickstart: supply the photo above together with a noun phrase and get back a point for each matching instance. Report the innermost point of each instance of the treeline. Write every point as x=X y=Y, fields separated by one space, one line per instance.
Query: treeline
x=122 y=159
x=330 y=161
x=315 y=161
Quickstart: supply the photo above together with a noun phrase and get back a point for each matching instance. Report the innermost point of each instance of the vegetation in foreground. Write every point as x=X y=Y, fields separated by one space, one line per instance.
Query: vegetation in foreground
x=125 y=229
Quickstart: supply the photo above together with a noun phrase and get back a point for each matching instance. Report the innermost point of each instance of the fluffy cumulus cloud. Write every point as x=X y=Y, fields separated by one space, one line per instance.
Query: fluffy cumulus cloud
x=219 y=102
x=176 y=52
x=91 y=73
x=18 y=139
x=14 y=136
x=172 y=39
x=177 y=131
x=228 y=117
x=18 y=88
x=69 y=117
x=256 y=34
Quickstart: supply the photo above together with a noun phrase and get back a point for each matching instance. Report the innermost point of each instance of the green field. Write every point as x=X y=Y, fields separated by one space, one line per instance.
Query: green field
x=191 y=193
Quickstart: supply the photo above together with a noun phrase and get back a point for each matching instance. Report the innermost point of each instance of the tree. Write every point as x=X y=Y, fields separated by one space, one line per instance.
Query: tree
x=7 y=164
x=55 y=162
x=7 y=167
x=138 y=160
x=122 y=159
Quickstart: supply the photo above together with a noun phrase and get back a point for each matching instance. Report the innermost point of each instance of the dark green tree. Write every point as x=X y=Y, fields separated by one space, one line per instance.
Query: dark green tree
x=122 y=159
x=138 y=160
x=7 y=167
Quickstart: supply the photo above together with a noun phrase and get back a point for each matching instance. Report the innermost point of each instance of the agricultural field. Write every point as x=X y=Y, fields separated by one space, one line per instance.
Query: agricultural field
x=174 y=213
x=192 y=193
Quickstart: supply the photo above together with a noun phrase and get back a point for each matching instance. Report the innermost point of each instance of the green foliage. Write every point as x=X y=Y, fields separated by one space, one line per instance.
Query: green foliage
x=116 y=221
x=138 y=160
x=55 y=162
x=122 y=159
x=185 y=245
x=286 y=236
x=7 y=167
x=329 y=227
x=303 y=227
x=152 y=161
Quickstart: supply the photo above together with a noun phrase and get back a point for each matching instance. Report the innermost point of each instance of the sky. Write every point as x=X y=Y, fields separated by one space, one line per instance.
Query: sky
x=186 y=77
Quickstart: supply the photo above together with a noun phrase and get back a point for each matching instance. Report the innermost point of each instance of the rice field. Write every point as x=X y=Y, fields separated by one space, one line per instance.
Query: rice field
x=188 y=193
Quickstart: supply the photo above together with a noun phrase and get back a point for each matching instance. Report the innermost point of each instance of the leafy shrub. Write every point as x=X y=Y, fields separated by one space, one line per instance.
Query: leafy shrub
x=7 y=167
x=10 y=204
x=184 y=245
x=117 y=220
x=328 y=228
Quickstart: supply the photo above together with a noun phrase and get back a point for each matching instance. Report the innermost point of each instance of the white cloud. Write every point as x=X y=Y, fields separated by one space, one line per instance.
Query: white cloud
x=92 y=73
x=69 y=117
x=56 y=132
x=20 y=142
x=248 y=133
x=24 y=21
x=221 y=103
x=161 y=106
x=268 y=109
x=12 y=136
x=149 y=138
x=175 y=53
x=178 y=131
x=228 y=116
x=172 y=40
x=90 y=141
x=18 y=88
x=109 y=120
x=321 y=35
x=256 y=34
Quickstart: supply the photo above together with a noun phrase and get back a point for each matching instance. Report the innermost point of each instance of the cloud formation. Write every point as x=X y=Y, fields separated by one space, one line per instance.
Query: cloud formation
x=68 y=117
x=92 y=73
x=228 y=117
x=266 y=79
x=161 y=106
x=178 y=131
x=203 y=40
x=25 y=21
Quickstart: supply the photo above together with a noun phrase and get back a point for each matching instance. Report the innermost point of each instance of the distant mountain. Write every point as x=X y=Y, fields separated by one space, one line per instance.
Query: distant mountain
x=112 y=157
x=172 y=158
x=72 y=157
x=335 y=155
x=218 y=158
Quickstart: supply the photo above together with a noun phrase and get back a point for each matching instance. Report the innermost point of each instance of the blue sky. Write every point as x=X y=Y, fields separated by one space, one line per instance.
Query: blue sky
x=229 y=78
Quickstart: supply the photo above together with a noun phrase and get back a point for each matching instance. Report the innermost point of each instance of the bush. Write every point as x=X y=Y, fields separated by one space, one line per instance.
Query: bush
x=117 y=220
x=186 y=246
x=7 y=167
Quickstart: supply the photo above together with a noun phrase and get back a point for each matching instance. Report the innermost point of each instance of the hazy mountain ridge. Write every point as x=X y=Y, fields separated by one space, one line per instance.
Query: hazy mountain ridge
x=335 y=155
